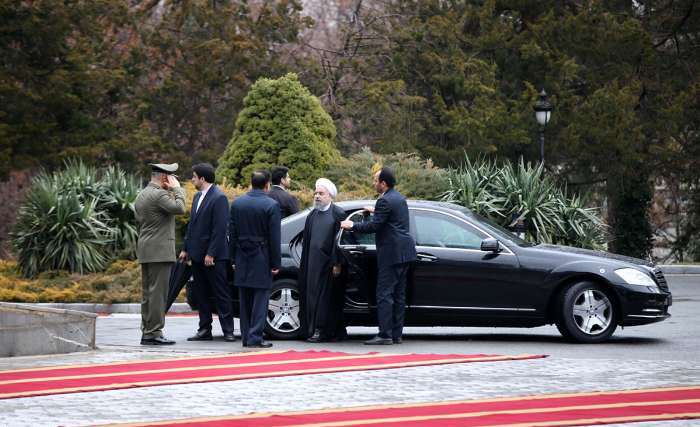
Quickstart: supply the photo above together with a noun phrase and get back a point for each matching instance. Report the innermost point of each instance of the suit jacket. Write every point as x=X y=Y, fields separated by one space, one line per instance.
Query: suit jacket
x=206 y=231
x=289 y=204
x=390 y=223
x=254 y=239
x=155 y=210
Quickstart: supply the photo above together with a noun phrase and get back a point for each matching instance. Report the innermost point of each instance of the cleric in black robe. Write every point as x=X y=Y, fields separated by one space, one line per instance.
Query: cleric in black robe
x=322 y=296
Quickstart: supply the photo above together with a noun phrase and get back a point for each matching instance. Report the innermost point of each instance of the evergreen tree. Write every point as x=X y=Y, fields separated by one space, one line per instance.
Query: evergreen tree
x=281 y=123
x=199 y=58
x=60 y=81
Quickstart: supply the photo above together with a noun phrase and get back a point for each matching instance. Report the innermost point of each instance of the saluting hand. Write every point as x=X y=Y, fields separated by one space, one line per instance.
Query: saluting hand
x=171 y=182
x=346 y=225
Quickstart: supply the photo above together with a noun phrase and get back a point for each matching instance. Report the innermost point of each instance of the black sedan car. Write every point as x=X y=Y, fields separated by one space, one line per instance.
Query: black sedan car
x=471 y=272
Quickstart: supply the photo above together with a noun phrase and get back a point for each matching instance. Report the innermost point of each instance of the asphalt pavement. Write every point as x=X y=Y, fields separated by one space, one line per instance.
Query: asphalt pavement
x=657 y=355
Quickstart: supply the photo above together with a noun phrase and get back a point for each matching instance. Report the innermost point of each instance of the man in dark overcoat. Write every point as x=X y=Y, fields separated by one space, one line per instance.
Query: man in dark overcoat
x=206 y=245
x=396 y=249
x=321 y=262
x=279 y=191
x=254 y=245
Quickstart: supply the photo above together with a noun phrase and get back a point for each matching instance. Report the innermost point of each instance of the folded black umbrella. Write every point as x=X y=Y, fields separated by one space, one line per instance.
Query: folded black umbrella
x=179 y=275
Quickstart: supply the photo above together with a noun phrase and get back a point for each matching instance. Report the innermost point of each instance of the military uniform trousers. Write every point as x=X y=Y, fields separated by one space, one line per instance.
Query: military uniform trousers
x=154 y=293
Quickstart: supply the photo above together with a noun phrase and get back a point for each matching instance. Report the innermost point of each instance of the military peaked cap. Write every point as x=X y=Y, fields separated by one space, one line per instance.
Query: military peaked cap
x=163 y=167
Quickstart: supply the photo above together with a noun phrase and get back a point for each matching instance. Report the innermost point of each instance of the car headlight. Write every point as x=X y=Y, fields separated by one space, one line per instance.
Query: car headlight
x=635 y=277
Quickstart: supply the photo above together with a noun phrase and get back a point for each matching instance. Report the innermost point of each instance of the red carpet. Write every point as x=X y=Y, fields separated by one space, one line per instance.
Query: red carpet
x=144 y=373
x=543 y=410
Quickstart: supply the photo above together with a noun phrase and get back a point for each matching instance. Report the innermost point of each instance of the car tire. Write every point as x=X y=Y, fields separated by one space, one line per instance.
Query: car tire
x=283 y=315
x=586 y=313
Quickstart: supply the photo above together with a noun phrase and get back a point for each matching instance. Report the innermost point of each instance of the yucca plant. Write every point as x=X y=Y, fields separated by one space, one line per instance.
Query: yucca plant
x=118 y=192
x=527 y=194
x=582 y=225
x=470 y=184
x=60 y=230
x=507 y=193
x=80 y=178
x=76 y=220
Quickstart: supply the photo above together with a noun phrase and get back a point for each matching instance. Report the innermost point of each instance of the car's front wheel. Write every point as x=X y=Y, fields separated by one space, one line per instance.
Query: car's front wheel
x=586 y=313
x=283 y=321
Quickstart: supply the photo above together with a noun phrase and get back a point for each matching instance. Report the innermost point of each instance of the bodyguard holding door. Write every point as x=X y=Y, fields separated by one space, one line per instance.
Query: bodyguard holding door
x=396 y=249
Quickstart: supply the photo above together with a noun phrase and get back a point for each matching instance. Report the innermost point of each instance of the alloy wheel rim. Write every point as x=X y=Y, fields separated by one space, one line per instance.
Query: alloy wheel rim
x=283 y=310
x=592 y=312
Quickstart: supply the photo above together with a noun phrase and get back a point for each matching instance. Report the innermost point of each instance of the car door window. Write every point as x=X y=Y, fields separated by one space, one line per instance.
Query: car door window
x=442 y=231
x=353 y=238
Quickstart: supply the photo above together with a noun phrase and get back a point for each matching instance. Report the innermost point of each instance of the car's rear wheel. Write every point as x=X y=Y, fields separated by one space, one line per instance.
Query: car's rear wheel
x=586 y=313
x=283 y=321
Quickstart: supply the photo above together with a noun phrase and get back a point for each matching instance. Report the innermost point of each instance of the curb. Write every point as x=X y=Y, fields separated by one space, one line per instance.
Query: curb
x=679 y=269
x=131 y=308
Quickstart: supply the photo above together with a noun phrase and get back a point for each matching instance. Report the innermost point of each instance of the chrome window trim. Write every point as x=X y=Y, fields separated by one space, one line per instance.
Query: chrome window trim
x=440 y=307
x=466 y=222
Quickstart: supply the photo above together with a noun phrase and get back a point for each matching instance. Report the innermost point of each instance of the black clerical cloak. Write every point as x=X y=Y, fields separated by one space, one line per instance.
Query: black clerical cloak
x=321 y=297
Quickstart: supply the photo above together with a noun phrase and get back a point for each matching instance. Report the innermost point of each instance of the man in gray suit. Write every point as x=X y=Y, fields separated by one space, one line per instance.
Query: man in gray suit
x=156 y=207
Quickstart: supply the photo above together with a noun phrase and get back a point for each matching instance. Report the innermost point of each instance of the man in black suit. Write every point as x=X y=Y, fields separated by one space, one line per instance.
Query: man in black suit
x=280 y=191
x=396 y=249
x=254 y=244
x=205 y=244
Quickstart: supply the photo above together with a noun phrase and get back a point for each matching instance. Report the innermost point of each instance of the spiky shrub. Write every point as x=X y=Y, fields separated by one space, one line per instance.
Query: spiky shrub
x=507 y=193
x=118 y=191
x=76 y=219
x=60 y=230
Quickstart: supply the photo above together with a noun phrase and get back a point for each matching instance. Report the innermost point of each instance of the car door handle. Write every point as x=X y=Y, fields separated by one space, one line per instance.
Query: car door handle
x=354 y=249
x=427 y=258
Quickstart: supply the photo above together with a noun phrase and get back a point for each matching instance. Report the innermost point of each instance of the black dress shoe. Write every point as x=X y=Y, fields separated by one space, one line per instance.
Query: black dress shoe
x=316 y=337
x=156 y=341
x=379 y=341
x=201 y=335
x=229 y=337
x=262 y=344
x=397 y=340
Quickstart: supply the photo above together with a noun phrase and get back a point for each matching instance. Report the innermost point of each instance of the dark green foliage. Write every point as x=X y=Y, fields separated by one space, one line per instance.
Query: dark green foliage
x=198 y=59
x=60 y=82
x=463 y=75
x=281 y=124
x=75 y=220
x=630 y=227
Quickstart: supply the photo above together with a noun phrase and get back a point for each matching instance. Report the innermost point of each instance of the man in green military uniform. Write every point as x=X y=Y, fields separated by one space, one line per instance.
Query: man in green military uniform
x=156 y=207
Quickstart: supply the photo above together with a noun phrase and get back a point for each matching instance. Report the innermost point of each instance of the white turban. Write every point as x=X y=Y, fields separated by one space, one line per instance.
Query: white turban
x=328 y=185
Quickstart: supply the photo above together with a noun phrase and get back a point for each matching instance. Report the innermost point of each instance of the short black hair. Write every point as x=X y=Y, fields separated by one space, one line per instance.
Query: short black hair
x=387 y=175
x=278 y=173
x=259 y=179
x=206 y=171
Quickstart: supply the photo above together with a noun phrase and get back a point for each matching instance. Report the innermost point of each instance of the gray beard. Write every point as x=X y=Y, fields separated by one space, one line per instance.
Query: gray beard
x=319 y=205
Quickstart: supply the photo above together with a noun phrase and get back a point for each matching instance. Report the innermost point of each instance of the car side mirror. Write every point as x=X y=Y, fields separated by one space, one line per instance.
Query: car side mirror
x=491 y=245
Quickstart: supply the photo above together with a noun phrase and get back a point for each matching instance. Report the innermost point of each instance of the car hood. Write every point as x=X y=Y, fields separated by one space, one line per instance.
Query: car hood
x=595 y=254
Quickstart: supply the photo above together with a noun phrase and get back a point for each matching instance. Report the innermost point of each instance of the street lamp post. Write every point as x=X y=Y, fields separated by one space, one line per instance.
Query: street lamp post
x=543 y=112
